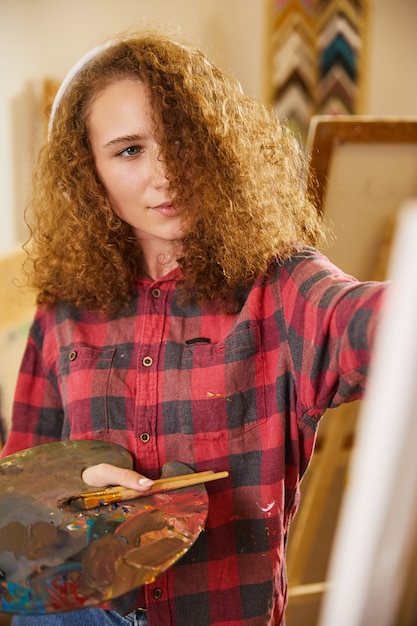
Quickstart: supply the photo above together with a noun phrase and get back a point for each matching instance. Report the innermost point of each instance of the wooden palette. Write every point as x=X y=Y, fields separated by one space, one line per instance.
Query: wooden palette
x=56 y=559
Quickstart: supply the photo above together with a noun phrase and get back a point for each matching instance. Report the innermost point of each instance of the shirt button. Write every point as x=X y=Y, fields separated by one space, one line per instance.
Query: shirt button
x=145 y=437
x=157 y=593
x=72 y=355
x=156 y=293
x=147 y=361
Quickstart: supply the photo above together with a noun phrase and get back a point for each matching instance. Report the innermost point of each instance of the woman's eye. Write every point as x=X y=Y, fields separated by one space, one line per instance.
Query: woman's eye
x=131 y=151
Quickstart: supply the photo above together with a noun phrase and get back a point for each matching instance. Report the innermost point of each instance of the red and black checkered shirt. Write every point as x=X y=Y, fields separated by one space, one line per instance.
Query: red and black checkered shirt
x=241 y=392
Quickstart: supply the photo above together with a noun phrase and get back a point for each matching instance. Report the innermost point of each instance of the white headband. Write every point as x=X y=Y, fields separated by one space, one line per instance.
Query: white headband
x=74 y=71
x=80 y=65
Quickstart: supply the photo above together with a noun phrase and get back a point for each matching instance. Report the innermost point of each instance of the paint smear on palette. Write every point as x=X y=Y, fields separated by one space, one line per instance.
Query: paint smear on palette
x=54 y=559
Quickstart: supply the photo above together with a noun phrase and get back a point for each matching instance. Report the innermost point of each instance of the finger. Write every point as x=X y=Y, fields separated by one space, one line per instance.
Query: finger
x=104 y=474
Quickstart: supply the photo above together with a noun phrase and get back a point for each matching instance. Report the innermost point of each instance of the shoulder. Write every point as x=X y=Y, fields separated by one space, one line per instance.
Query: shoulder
x=57 y=320
x=309 y=276
x=306 y=268
x=50 y=316
x=310 y=261
x=324 y=286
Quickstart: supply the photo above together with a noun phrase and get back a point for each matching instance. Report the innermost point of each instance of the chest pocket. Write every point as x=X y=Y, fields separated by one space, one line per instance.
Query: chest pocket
x=221 y=387
x=84 y=375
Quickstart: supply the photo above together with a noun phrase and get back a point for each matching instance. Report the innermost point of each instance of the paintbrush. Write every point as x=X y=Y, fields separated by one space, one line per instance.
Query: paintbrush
x=110 y=495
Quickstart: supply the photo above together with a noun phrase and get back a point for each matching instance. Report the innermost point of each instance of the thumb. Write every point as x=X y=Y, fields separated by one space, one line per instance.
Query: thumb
x=104 y=474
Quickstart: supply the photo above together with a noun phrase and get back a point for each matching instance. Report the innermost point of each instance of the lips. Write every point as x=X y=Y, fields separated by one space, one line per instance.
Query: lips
x=166 y=209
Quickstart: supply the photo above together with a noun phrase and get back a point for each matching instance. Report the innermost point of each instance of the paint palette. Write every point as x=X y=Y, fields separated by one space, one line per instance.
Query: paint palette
x=56 y=559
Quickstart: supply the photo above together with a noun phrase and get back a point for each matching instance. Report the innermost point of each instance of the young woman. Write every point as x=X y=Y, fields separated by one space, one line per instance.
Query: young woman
x=186 y=314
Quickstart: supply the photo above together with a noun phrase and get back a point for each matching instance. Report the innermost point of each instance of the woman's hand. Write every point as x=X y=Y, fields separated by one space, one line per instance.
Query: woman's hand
x=104 y=475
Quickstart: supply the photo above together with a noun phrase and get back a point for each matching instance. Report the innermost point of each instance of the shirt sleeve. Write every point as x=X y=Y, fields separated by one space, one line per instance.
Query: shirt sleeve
x=331 y=321
x=37 y=409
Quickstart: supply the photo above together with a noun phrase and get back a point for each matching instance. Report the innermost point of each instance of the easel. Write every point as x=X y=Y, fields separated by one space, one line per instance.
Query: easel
x=374 y=564
x=351 y=157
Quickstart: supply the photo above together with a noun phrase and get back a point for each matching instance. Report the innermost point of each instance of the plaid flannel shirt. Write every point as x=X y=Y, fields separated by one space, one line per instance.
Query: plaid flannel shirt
x=241 y=392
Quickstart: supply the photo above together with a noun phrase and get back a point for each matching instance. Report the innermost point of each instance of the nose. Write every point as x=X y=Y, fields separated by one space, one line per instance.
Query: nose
x=160 y=176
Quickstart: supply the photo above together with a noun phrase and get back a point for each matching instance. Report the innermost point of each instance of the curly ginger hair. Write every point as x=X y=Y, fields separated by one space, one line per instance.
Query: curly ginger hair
x=236 y=172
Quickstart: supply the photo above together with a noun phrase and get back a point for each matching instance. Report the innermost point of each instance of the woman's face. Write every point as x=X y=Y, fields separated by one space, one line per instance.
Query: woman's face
x=128 y=162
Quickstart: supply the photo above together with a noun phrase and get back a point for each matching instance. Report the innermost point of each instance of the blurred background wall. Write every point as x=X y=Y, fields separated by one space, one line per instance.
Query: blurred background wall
x=42 y=39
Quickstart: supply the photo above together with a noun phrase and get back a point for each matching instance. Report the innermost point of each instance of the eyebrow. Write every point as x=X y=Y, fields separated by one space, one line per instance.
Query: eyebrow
x=123 y=140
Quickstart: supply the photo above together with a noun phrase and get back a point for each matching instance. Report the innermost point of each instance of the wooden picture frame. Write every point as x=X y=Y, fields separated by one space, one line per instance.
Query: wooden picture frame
x=362 y=169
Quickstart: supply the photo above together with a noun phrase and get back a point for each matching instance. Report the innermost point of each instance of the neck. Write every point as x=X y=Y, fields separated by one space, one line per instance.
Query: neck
x=160 y=268
x=159 y=260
